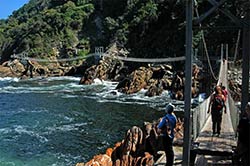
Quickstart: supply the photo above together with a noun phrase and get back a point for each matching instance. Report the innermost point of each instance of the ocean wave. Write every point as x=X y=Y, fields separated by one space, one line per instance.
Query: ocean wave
x=22 y=130
x=67 y=127
x=113 y=95
x=69 y=119
x=61 y=78
x=7 y=163
x=5 y=131
x=98 y=81
x=9 y=79
x=70 y=87
x=70 y=96
x=67 y=159
x=102 y=91
x=103 y=145
x=18 y=130
x=38 y=110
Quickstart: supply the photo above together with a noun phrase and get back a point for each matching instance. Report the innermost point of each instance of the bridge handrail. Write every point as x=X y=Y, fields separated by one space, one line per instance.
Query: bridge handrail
x=131 y=59
x=199 y=117
x=151 y=60
x=234 y=113
x=231 y=107
x=20 y=56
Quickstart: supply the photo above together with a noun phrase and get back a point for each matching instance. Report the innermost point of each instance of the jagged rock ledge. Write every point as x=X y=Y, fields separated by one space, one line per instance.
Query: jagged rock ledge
x=28 y=69
x=140 y=146
x=133 y=77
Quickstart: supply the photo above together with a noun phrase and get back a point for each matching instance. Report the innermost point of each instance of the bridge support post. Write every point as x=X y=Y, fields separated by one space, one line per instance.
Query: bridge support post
x=245 y=63
x=188 y=83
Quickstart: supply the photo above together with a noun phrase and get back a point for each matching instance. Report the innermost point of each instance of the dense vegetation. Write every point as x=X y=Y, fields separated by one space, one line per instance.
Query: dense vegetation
x=147 y=28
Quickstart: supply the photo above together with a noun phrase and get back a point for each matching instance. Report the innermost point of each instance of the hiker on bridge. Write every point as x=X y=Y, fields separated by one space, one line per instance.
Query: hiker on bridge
x=217 y=101
x=166 y=128
x=224 y=91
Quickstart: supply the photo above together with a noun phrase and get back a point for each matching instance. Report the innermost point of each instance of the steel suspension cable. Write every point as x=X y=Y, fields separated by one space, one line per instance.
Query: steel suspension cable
x=237 y=45
x=20 y=56
x=205 y=45
x=131 y=59
x=151 y=60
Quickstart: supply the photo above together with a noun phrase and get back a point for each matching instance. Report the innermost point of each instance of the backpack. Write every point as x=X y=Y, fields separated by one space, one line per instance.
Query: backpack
x=218 y=103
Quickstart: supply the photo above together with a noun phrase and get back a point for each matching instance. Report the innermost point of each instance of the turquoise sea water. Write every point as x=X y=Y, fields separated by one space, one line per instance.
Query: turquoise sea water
x=56 y=122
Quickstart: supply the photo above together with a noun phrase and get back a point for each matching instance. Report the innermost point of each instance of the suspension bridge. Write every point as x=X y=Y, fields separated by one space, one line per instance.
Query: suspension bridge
x=24 y=56
x=200 y=147
x=207 y=149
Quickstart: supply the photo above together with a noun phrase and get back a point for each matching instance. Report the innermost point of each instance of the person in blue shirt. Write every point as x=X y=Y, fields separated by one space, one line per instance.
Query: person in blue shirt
x=166 y=129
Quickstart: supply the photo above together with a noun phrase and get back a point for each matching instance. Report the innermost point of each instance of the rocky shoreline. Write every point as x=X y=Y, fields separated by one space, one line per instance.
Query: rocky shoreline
x=140 y=146
x=131 y=77
x=27 y=69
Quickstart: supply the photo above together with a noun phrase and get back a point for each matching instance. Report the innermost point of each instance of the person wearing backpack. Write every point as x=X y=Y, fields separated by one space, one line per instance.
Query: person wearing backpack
x=166 y=128
x=216 y=105
x=224 y=91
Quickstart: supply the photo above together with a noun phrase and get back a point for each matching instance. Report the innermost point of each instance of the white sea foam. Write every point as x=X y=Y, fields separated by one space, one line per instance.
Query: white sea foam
x=5 y=131
x=68 y=127
x=69 y=159
x=9 y=79
x=98 y=81
x=64 y=78
x=69 y=119
x=8 y=163
x=73 y=85
x=22 y=130
x=70 y=96
x=102 y=91
x=41 y=89
x=110 y=84
x=110 y=94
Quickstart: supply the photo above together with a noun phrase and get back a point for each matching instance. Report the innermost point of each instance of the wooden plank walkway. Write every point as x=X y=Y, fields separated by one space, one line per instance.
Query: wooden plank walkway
x=214 y=150
x=215 y=144
x=201 y=160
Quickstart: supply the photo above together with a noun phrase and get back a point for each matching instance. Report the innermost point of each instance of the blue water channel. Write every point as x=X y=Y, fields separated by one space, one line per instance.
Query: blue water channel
x=56 y=122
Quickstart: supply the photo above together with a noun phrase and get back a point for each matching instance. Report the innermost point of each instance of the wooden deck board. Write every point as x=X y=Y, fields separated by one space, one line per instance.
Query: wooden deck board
x=223 y=143
x=216 y=150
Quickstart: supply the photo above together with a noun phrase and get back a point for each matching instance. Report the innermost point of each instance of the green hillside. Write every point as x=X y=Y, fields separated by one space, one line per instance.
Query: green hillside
x=147 y=28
